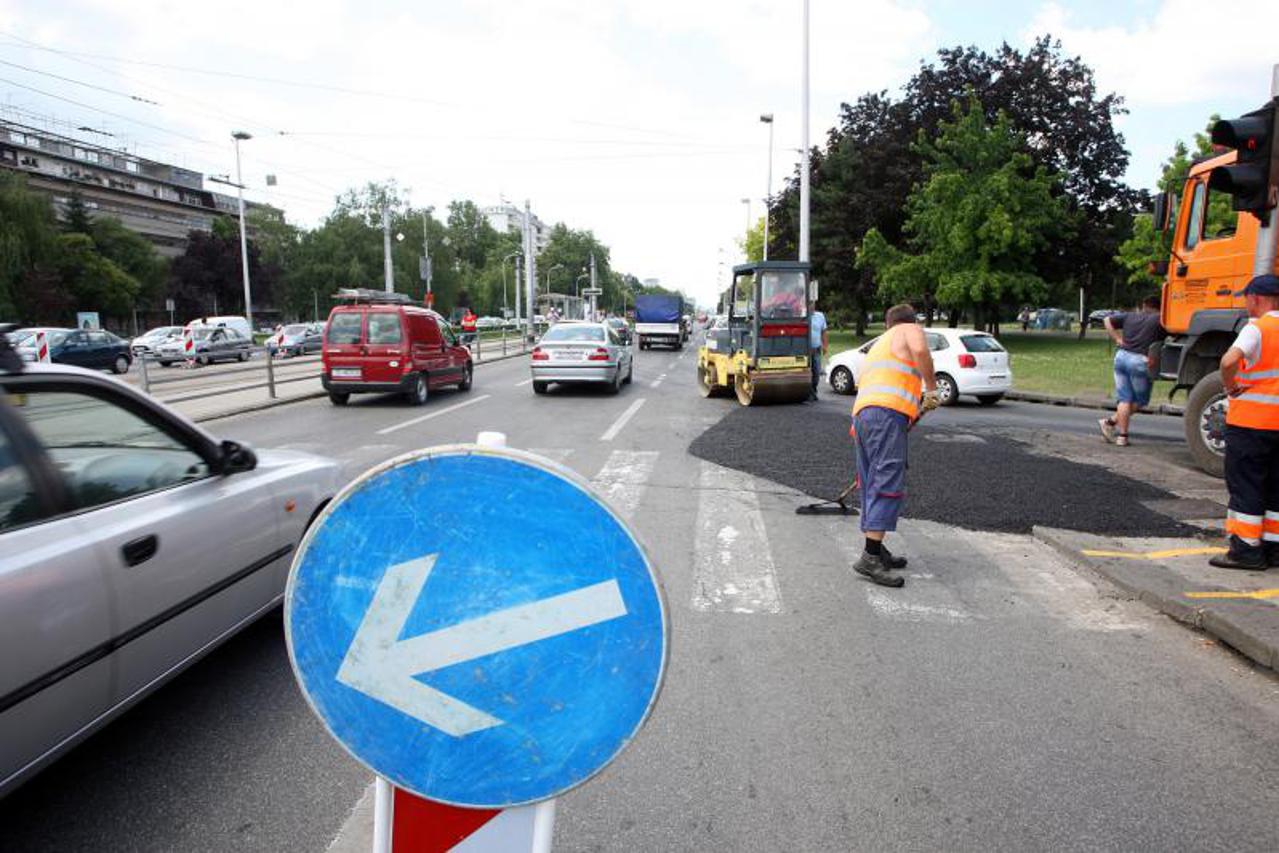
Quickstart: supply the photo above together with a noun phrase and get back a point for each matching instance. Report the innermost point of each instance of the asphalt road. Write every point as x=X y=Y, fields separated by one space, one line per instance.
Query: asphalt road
x=1000 y=701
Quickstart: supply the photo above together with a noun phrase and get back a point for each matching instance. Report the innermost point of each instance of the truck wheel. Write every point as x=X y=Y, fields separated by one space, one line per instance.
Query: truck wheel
x=1205 y=424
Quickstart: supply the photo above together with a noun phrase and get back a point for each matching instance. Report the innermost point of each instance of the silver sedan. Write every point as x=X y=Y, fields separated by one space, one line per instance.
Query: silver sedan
x=572 y=352
x=131 y=543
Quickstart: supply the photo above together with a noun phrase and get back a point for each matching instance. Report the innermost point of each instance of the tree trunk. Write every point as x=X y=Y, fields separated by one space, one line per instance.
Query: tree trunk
x=861 y=322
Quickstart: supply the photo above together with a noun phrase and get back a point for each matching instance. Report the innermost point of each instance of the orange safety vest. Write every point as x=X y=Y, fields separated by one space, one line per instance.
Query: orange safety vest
x=888 y=381
x=468 y=323
x=1258 y=406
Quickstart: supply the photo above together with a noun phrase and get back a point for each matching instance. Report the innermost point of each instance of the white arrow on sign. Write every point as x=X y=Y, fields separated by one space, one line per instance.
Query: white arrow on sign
x=380 y=664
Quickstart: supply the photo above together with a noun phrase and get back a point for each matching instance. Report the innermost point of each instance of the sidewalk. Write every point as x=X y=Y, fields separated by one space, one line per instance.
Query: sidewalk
x=1090 y=402
x=1172 y=575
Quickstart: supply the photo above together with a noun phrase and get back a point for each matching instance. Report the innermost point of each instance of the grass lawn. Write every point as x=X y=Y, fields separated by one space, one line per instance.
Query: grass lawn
x=1045 y=362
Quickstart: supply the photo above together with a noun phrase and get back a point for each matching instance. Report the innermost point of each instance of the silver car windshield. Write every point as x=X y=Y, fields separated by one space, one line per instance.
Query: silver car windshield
x=594 y=334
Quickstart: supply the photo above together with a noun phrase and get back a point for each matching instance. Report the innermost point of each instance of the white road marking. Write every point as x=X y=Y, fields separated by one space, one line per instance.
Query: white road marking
x=624 y=478
x=555 y=454
x=611 y=432
x=1044 y=577
x=733 y=569
x=894 y=606
x=380 y=664
x=657 y=381
x=444 y=411
x=525 y=382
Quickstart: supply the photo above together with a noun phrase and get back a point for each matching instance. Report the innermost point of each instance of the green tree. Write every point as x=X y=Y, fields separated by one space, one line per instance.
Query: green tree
x=133 y=254
x=753 y=243
x=29 y=247
x=76 y=218
x=571 y=250
x=94 y=282
x=976 y=223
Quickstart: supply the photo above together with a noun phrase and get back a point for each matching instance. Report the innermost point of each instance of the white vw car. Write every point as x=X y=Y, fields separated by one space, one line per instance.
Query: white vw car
x=966 y=362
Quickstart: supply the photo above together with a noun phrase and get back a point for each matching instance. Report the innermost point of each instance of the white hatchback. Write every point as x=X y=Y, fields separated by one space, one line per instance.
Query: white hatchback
x=966 y=362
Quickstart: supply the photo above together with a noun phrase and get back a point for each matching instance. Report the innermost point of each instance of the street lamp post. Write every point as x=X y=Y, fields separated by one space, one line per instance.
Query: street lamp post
x=577 y=290
x=244 y=240
x=804 y=194
x=767 y=118
x=504 y=260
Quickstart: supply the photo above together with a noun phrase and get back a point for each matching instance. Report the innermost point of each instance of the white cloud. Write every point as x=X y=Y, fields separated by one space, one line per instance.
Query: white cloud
x=1186 y=52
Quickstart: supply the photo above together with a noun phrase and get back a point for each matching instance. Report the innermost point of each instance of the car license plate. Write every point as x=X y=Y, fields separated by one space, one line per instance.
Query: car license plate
x=570 y=354
x=346 y=373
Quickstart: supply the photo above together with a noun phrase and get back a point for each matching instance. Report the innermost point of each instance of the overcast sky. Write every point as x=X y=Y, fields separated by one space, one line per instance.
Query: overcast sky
x=637 y=119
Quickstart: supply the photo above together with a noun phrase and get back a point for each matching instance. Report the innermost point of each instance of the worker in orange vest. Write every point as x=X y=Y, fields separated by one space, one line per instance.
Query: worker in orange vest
x=468 y=325
x=895 y=388
x=1250 y=374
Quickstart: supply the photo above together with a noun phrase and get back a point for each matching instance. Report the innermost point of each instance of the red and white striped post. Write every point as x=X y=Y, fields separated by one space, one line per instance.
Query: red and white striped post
x=42 y=348
x=188 y=346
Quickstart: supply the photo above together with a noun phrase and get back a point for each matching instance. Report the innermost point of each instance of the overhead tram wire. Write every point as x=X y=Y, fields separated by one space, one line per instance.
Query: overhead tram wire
x=364 y=93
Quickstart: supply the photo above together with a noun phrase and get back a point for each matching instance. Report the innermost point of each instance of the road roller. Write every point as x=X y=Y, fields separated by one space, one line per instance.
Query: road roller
x=762 y=354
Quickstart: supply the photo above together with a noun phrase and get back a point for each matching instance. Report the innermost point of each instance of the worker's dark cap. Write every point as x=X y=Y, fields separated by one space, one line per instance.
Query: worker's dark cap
x=1261 y=285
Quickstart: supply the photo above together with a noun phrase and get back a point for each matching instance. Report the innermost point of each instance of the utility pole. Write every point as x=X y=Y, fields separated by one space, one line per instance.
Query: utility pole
x=803 y=160
x=593 y=288
x=530 y=266
x=244 y=240
x=519 y=267
x=426 y=258
x=767 y=118
x=386 y=249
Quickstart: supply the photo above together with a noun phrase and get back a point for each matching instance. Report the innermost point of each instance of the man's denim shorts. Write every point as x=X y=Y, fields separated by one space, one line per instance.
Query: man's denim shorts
x=1132 y=378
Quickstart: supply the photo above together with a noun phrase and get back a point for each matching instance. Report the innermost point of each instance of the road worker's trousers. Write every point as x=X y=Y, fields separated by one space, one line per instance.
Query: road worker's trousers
x=1252 y=477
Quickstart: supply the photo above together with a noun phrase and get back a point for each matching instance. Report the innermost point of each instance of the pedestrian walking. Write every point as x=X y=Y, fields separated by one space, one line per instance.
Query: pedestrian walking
x=896 y=387
x=1135 y=333
x=818 y=343
x=1250 y=375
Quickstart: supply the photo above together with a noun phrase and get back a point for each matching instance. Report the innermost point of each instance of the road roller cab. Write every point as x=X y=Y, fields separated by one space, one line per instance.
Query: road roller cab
x=762 y=353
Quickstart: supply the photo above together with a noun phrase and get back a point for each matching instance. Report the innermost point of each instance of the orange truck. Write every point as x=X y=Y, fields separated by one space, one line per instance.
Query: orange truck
x=1216 y=249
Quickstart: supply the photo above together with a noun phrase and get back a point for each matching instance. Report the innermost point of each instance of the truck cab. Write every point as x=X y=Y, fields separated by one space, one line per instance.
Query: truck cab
x=1212 y=251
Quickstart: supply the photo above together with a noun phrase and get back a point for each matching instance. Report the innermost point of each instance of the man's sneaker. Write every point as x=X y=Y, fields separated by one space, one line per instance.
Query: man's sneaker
x=872 y=567
x=889 y=561
x=1241 y=556
x=1272 y=555
x=1107 y=429
x=1121 y=440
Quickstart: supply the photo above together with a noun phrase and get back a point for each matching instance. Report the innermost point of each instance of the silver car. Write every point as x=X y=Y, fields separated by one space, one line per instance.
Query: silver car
x=212 y=343
x=131 y=543
x=572 y=351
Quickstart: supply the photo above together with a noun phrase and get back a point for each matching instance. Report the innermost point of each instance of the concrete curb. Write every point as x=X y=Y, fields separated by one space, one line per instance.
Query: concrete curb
x=1089 y=403
x=1249 y=627
x=271 y=404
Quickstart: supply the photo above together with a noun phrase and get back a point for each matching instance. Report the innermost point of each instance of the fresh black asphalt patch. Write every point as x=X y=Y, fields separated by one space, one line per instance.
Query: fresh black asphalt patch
x=967 y=479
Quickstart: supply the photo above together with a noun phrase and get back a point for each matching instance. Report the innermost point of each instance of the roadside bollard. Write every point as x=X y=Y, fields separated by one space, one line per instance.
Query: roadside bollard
x=270 y=375
x=479 y=345
x=504 y=340
x=146 y=379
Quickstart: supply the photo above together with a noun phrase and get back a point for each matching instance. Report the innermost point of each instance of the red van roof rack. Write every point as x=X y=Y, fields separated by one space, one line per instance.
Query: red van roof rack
x=357 y=295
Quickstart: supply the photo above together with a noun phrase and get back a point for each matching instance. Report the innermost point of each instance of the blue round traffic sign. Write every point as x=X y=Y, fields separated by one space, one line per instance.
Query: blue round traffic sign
x=476 y=626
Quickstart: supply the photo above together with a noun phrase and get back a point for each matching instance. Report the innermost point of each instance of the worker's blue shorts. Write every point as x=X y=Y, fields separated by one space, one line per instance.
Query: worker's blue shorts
x=1132 y=378
x=881 y=465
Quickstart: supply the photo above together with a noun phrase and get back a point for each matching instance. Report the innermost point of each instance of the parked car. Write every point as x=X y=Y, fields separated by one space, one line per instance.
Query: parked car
x=296 y=339
x=574 y=351
x=132 y=542
x=1097 y=319
x=145 y=343
x=212 y=344
x=965 y=361
x=623 y=329
x=373 y=346
x=91 y=348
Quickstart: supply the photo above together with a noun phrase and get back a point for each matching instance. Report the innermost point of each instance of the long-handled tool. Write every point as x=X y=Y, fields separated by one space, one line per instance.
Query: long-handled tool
x=841 y=505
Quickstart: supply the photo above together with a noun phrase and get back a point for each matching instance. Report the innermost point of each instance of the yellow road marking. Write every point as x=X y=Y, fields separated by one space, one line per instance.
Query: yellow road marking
x=1258 y=593
x=1156 y=555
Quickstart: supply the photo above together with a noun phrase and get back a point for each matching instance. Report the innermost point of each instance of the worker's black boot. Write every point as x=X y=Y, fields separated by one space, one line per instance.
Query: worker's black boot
x=872 y=567
x=1241 y=555
x=890 y=562
x=1272 y=555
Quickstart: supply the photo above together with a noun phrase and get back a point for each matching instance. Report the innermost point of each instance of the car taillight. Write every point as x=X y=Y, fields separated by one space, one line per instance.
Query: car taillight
x=600 y=354
x=968 y=360
x=540 y=354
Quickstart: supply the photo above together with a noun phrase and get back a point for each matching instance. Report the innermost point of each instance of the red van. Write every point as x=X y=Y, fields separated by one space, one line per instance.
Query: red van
x=377 y=344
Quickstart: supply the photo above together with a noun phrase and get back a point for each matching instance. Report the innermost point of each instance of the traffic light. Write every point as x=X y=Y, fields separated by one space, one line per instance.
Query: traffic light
x=1251 y=179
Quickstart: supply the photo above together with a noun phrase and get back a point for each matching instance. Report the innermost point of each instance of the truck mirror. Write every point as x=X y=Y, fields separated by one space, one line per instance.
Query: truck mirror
x=1159 y=268
x=1162 y=212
